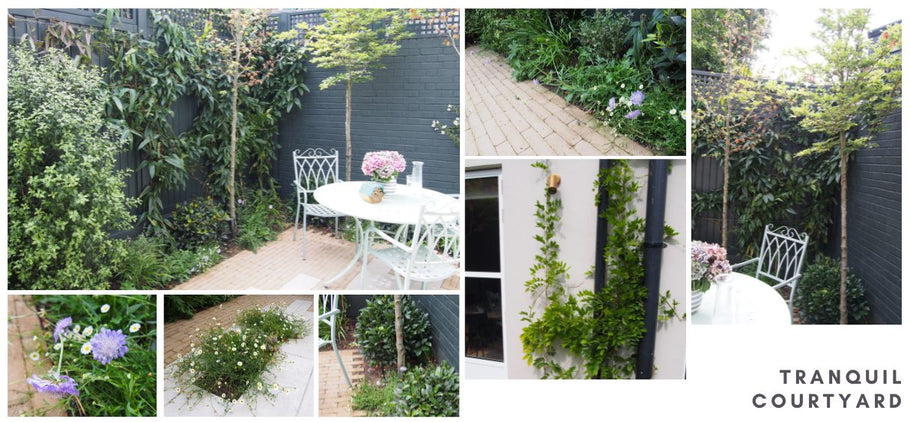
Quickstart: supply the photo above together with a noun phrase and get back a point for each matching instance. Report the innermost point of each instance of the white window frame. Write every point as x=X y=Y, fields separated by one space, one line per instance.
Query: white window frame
x=501 y=366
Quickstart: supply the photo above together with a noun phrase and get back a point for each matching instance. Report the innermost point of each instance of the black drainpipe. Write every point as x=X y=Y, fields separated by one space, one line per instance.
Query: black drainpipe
x=600 y=266
x=653 y=250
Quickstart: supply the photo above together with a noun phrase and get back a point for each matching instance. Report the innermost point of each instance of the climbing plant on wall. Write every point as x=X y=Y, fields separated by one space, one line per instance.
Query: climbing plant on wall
x=601 y=329
x=148 y=75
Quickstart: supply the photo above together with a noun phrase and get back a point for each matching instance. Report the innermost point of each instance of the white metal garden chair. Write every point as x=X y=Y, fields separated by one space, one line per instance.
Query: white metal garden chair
x=783 y=250
x=313 y=168
x=330 y=312
x=431 y=254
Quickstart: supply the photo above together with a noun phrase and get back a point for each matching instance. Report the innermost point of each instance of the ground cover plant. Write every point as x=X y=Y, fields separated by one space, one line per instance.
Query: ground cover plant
x=233 y=363
x=420 y=387
x=98 y=355
x=627 y=71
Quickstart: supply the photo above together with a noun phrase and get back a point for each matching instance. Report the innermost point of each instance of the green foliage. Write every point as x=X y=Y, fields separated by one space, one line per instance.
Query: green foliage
x=124 y=387
x=65 y=195
x=427 y=391
x=818 y=294
x=658 y=43
x=602 y=35
x=769 y=184
x=537 y=48
x=231 y=363
x=199 y=222
x=149 y=75
x=601 y=328
x=709 y=32
x=261 y=216
x=376 y=399
x=589 y=60
x=375 y=331
x=177 y=307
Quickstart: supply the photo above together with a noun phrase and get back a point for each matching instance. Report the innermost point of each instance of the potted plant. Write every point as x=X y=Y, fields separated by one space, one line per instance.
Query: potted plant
x=708 y=261
x=383 y=167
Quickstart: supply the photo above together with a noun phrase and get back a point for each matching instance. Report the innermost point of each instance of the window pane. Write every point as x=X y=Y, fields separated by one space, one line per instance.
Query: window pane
x=482 y=224
x=483 y=319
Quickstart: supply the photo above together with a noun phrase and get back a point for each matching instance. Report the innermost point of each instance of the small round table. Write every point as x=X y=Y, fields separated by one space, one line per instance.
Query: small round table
x=402 y=207
x=754 y=302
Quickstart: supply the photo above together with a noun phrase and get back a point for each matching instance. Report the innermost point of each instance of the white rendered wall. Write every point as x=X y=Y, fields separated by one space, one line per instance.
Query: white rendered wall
x=522 y=186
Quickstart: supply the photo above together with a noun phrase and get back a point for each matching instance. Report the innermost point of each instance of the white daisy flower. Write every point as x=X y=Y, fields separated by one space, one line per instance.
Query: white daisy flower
x=34 y=355
x=58 y=346
x=134 y=327
x=88 y=331
x=105 y=308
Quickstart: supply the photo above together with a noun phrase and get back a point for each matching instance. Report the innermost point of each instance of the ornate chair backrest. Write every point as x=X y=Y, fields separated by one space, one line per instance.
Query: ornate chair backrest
x=783 y=250
x=439 y=231
x=329 y=310
x=315 y=167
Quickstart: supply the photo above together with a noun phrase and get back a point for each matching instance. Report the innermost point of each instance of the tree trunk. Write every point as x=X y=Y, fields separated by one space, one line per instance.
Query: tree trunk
x=843 y=228
x=399 y=335
x=725 y=209
x=233 y=201
x=347 y=132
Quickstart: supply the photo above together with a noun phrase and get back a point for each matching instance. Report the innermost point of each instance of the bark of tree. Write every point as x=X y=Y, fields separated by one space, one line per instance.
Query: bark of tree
x=234 y=92
x=399 y=335
x=725 y=209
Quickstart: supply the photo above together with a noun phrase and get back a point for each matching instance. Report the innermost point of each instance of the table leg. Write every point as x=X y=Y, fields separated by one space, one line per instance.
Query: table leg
x=358 y=250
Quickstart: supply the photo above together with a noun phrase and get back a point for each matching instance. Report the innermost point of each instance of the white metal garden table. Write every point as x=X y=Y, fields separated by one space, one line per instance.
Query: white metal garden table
x=402 y=207
x=754 y=302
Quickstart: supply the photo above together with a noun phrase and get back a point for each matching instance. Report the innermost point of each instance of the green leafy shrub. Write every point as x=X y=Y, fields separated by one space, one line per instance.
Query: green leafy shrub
x=260 y=216
x=818 y=294
x=123 y=386
x=65 y=195
x=199 y=222
x=537 y=48
x=427 y=391
x=177 y=307
x=658 y=44
x=489 y=28
x=231 y=363
x=375 y=331
x=602 y=35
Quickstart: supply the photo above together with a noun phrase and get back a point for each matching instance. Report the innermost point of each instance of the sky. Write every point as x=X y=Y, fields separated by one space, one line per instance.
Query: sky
x=792 y=28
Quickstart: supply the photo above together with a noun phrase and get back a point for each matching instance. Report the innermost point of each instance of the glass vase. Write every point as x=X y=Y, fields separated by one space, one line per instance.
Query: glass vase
x=723 y=300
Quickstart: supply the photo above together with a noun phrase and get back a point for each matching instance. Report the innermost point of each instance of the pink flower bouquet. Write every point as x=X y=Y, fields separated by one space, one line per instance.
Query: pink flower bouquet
x=383 y=166
x=708 y=261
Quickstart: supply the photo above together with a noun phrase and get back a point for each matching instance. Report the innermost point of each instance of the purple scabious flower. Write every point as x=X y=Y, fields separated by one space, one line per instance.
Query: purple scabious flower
x=612 y=104
x=634 y=114
x=54 y=384
x=536 y=82
x=61 y=326
x=108 y=345
x=637 y=98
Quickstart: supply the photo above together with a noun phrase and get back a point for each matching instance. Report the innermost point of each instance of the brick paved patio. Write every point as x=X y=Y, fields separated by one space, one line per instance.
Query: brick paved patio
x=279 y=265
x=334 y=393
x=23 y=327
x=505 y=117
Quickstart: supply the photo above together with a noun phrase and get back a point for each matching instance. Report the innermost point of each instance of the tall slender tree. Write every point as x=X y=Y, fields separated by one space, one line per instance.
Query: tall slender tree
x=238 y=52
x=733 y=113
x=354 y=40
x=857 y=84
